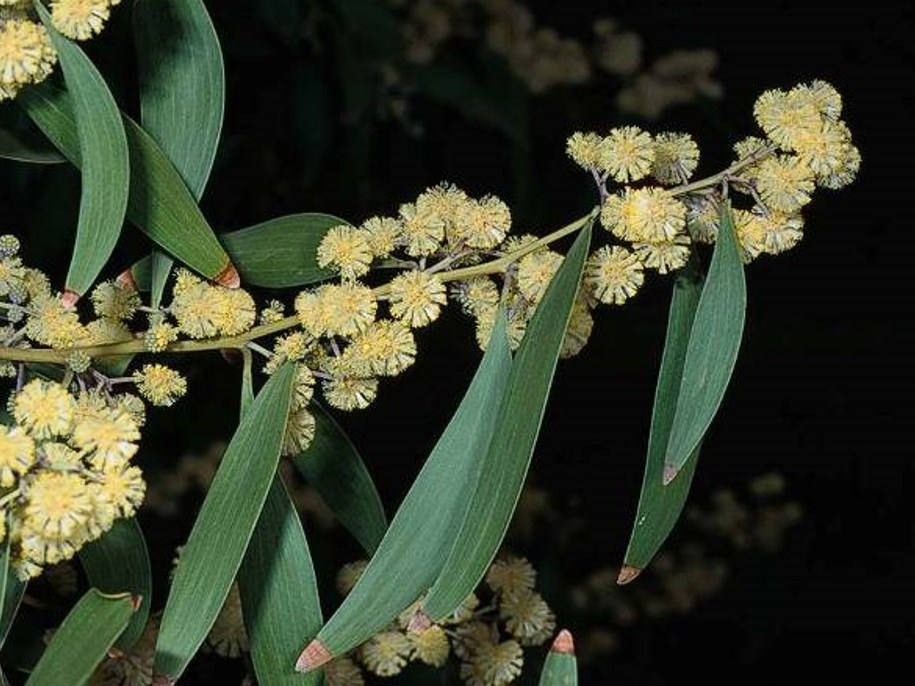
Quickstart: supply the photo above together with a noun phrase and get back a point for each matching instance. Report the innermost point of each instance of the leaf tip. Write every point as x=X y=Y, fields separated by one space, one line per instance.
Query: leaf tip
x=564 y=645
x=126 y=281
x=419 y=622
x=69 y=298
x=315 y=655
x=627 y=574
x=163 y=680
x=670 y=473
x=229 y=277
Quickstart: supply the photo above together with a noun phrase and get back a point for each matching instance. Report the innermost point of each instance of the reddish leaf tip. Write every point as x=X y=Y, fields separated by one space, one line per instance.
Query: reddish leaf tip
x=627 y=575
x=126 y=281
x=419 y=622
x=163 y=680
x=315 y=655
x=229 y=277
x=136 y=601
x=670 y=473
x=564 y=645
x=69 y=298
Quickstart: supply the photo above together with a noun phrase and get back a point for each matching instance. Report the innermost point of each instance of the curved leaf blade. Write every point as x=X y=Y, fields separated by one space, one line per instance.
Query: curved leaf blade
x=223 y=527
x=281 y=252
x=118 y=562
x=560 y=667
x=712 y=350
x=19 y=148
x=660 y=506
x=159 y=203
x=105 y=161
x=417 y=543
x=333 y=466
x=508 y=455
x=83 y=640
x=11 y=591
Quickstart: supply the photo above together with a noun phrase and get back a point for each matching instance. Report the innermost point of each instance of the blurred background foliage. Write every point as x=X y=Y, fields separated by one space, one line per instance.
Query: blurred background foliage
x=352 y=106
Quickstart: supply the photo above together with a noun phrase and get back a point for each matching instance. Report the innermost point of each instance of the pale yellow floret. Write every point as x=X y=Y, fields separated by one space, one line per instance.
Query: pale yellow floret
x=493 y=664
x=644 y=214
x=416 y=298
x=448 y=202
x=613 y=275
x=384 y=234
x=300 y=431
x=483 y=224
x=385 y=348
x=476 y=293
x=386 y=653
x=626 y=154
x=527 y=616
x=80 y=19
x=822 y=95
x=430 y=646
x=124 y=489
x=581 y=324
x=676 y=157
x=703 y=217
x=159 y=336
x=17 y=454
x=54 y=324
x=535 y=271
x=350 y=393
x=57 y=505
x=511 y=575
x=665 y=256
x=105 y=331
x=234 y=311
x=26 y=54
x=346 y=250
x=303 y=387
x=784 y=183
x=107 y=438
x=347 y=308
x=423 y=229
x=45 y=409
x=584 y=149
x=159 y=384
x=786 y=116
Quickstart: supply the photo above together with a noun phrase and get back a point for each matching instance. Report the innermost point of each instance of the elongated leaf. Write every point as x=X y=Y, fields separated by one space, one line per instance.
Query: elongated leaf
x=83 y=640
x=509 y=453
x=223 y=527
x=11 y=591
x=105 y=161
x=560 y=667
x=713 y=346
x=118 y=562
x=276 y=581
x=659 y=505
x=415 y=547
x=182 y=94
x=281 y=252
x=160 y=268
x=333 y=466
x=159 y=204
x=16 y=146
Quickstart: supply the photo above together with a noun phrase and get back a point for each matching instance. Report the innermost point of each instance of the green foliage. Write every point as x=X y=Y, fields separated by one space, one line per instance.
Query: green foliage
x=104 y=160
x=11 y=591
x=224 y=527
x=19 y=147
x=560 y=667
x=83 y=640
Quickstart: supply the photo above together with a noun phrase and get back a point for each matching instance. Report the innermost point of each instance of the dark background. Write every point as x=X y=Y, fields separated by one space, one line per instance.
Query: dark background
x=821 y=392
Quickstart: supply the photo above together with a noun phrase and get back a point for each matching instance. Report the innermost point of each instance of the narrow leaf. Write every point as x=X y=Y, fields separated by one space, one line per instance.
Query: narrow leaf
x=83 y=640
x=508 y=455
x=281 y=252
x=105 y=161
x=159 y=204
x=659 y=505
x=712 y=350
x=415 y=547
x=11 y=591
x=18 y=147
x=223 y=527
x=561 y=667
x=333 y=466
x=118 y=562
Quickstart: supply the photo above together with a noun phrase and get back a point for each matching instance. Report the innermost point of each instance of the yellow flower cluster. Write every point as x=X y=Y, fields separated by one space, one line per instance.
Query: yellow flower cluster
x=65 y=470
x=489 y=641
x=26 y=53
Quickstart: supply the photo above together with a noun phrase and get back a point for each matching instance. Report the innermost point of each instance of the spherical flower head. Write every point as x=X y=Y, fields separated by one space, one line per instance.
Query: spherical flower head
x=751 y=146
x=45 y=409
x=9 y=245
x=79 y=362
x=349 y=394
x=272 y=313
x=133 y=406
x=26 y=53
x=584 y=149
x=847 y=171
x=228 y=636
x=665 y=256
x=447 y=202
x=627 y=154
x=107 y=438
x=105 y=331
x=784 y=183
x=384 y=235
x=494 y=664
x=750 y=229
x=110 y=299
x=385 y=348
x=291 y=347
x=822 y=95
x=416 y=298
x=11 y=275
x=343 y=672
x=184 y=281
x=510 y=575
x=234 y=311
x=123 y=488
x=703 y=217
x=644 y=214
x=527 y=616
x=346 y=250
x=57 y=505
x=518 y=315
x=475 y=294
x=159 y=335
x=536 y=271
x=430 y=646
x=346 y=308
x=80 y=19
x=613 y=275
x=825 y=149
x=303 y=387
x=53 y=324
x=349 y=574
x=300 y=431
x=781 y=232
x=785 y=116
x=581 y=324
x=309 y=306
x=159 y=384
x=195 y=306
x=386 y=653
x=676 y=157
x=422 y=229
x=483 y=224
x=17 y=455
